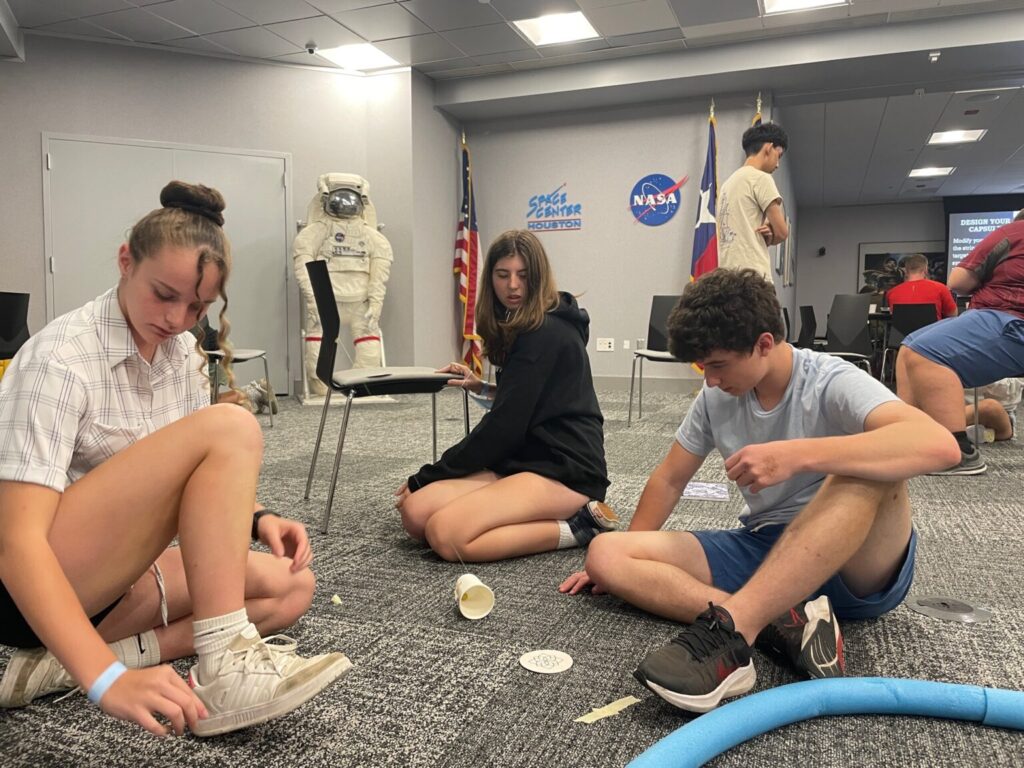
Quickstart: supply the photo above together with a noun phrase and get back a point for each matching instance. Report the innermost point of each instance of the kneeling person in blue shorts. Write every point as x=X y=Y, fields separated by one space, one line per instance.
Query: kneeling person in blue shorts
x=820 y=452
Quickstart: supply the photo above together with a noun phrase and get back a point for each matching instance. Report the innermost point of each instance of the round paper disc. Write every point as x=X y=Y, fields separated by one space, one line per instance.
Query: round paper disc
x=546 y=662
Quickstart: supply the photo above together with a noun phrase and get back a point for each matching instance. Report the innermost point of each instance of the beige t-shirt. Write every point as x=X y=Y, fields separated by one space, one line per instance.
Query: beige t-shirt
x=742 y=203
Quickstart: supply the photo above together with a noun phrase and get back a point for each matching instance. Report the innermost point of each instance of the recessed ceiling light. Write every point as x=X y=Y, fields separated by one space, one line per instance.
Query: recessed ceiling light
x=956 y=137
x=359 y=57
x=924 y=173
x=785 y=6
x=557 y=28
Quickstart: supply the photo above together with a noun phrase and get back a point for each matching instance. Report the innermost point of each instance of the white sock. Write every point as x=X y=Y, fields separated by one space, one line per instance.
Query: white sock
x=212 y=636
x=138 y=651
x=565 y=538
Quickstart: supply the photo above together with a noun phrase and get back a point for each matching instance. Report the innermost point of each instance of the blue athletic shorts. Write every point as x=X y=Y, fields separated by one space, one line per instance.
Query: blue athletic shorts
x=980 y=346
x=735 y=554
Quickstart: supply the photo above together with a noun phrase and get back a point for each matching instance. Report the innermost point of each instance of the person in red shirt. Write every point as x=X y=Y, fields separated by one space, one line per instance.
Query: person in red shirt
x=916 y=288
x=984 y=344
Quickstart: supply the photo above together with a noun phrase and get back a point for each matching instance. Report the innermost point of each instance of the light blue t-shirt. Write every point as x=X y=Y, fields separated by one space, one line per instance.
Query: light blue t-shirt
x=826 y=397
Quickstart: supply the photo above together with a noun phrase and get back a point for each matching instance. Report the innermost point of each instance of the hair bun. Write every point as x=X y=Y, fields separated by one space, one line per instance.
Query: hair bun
x=196 y=198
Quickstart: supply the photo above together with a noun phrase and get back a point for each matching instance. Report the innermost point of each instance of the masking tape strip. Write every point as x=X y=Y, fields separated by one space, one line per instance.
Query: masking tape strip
x=608 y=710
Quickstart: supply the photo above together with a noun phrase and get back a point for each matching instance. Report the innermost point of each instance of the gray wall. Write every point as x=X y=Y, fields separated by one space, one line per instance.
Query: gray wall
x=841 y=231
x=436 y=189
x=614 y=263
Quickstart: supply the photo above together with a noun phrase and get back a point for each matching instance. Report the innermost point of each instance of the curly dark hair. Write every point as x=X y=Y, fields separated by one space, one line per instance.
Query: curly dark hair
x=757 y=136
x=727 y=309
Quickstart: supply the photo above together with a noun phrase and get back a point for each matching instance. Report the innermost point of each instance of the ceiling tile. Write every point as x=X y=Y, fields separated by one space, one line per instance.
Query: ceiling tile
x=494 y=38
x=692 y=13
x=338 y=6
x=308 y=60
x=442 y=15
x=255 y=42
x=531 y=9
x=507 y=57
x=79 y=27
x=33 y=13
x=200 y=16
x=271 y=11
x=815 y=18
x=567 y=49
x=451 y=74
x=382 y=22
x=200 y=44
x=631 y=18
x=324 y=31
x=440 y=66
x=643 y=38
x=723 y=30
x=419 y=49
x=139 y=25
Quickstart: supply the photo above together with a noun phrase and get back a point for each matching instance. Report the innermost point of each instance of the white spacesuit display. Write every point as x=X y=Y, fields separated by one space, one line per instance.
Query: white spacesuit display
x=341 y=230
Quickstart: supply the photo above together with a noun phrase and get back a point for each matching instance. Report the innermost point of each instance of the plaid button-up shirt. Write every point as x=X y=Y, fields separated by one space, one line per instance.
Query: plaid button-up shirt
x=79 y=391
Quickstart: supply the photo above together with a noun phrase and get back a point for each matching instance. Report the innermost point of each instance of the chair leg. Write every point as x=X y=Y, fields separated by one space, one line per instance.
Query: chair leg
x=215 y=382
x=433 y=420
x=632 y=378
x=316 y=448
x=270 y=388
x=465 y=408
x=640 y=400
x=337 y=464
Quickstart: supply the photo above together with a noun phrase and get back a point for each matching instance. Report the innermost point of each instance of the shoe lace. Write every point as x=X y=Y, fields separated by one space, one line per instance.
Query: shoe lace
x=264 y=656
x=703 y=637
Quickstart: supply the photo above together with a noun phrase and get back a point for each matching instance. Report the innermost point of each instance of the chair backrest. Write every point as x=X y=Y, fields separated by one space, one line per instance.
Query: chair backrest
x=808 y=327
x=657 y=326
x=13 y=323
x=785 y=320
x=907 y=318
x=847 y=329
x=330 y=320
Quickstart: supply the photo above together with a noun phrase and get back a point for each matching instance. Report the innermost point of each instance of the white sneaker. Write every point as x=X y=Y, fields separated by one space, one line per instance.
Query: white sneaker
x=31 y=674
x=258 y=681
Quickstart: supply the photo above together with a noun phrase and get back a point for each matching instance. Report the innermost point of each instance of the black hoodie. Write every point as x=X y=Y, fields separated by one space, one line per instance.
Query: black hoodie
x=545 y=417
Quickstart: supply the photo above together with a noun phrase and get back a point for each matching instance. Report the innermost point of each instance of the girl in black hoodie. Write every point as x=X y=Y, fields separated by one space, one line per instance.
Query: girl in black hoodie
x=531 y=477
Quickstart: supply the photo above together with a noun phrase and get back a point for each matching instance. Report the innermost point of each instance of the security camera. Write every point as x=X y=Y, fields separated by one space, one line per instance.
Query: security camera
x=310 y=48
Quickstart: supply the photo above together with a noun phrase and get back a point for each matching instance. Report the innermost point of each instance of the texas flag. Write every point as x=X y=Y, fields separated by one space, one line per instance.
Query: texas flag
x=705 y=239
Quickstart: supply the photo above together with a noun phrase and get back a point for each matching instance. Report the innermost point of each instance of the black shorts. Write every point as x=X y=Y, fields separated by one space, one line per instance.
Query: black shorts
x=15 y=631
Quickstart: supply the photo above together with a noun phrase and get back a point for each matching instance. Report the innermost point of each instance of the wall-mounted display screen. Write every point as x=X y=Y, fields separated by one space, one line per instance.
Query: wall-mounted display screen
x=966 y=230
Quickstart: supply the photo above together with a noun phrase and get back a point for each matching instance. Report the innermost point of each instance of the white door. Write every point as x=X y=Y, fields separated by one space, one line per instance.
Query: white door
x=96 y=189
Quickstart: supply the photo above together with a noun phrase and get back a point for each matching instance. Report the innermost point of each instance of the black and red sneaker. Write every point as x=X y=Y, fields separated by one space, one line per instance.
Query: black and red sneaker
x=705 y=663
x=808 y=637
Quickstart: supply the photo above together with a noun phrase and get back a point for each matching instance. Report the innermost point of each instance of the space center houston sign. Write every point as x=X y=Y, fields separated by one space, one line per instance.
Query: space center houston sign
x=554 y=212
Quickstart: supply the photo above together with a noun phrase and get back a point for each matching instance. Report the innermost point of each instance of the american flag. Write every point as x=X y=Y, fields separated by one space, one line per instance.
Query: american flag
x=705 y=238
x=466 y=266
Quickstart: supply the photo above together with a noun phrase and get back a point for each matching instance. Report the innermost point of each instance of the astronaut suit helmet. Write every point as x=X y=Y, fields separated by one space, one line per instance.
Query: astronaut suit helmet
x=343 y=203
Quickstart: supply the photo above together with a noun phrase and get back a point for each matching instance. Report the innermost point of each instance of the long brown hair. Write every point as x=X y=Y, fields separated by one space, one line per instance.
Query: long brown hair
x=191 y=217
x=497 y=327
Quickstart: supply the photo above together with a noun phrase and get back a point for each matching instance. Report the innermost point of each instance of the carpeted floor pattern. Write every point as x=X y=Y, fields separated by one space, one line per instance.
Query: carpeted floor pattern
x=432 y=689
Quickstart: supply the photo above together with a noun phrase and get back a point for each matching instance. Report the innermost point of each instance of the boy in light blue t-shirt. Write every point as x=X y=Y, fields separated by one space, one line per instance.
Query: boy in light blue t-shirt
x=820 y=452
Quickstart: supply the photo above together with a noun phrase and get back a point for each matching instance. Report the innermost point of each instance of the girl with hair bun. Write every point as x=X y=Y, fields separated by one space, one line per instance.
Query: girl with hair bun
x=531 y=477
x=109 y=449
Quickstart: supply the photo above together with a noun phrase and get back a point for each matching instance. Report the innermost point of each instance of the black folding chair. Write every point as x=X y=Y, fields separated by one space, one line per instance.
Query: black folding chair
x=848 y=334
x=13 y=323
x=906 y=318
x=360 y=382
x=656 y=348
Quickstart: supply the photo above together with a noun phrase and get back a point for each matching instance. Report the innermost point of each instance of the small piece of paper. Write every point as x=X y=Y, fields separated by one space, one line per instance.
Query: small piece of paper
x=608 y=710
x=336 y=600
x=706 y=491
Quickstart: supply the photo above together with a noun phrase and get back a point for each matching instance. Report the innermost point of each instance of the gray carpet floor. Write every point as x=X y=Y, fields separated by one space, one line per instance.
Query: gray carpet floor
x=432 y=689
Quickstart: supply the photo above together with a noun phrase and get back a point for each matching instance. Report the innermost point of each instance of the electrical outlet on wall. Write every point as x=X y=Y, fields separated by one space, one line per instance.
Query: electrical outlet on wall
x=606 y=345
x=625 y=343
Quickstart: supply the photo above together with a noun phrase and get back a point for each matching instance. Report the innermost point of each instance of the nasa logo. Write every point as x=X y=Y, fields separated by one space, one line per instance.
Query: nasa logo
x=655 y=199
x=339 y=237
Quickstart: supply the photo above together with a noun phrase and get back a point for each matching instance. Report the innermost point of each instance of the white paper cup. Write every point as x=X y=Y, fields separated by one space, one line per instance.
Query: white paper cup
x=474 y=597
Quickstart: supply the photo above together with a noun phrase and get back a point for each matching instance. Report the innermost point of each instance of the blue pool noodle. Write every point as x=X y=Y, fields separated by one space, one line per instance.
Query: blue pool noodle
x=721 y=729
